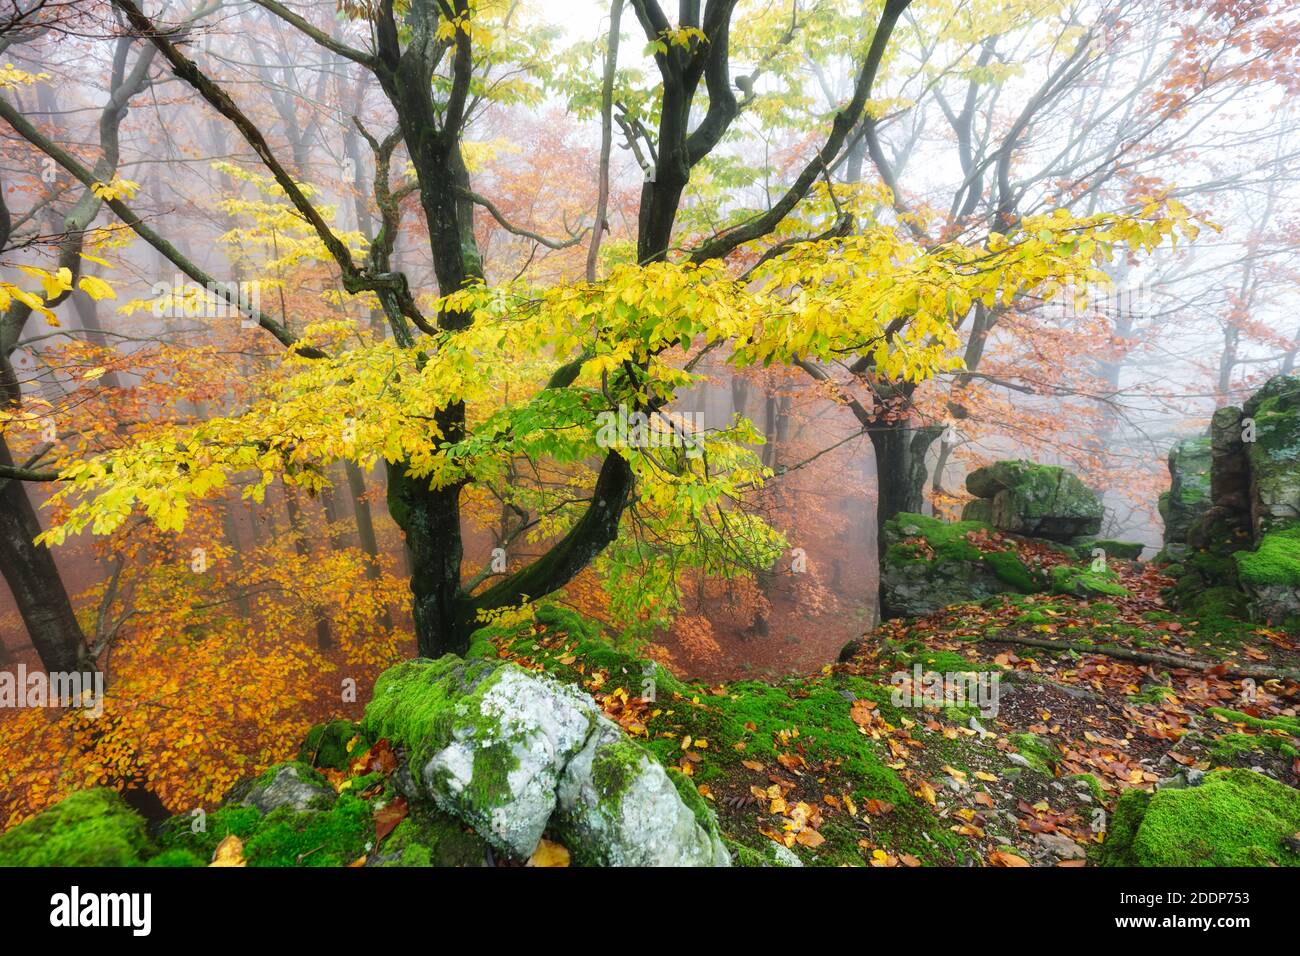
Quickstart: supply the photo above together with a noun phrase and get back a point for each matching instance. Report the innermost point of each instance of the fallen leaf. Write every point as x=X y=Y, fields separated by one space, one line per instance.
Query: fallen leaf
x=1001 y=858
x=549 y=854
x=230 y=852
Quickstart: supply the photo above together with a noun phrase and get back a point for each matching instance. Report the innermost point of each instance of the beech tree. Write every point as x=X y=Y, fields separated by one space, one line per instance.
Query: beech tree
x=471 y=378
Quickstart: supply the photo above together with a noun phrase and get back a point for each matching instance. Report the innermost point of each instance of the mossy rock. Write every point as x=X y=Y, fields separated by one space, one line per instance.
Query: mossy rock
x=1121 y=550
x=1039 y=755
x=291 y=784
x=1086 y=583
x=512 y=752
x=1271 y=575
x=930 y=564
x=1234 y=818
x=431 y=837
x=1041 y=501
x=1188 y=498
x=1274 y=455
x=87 y=828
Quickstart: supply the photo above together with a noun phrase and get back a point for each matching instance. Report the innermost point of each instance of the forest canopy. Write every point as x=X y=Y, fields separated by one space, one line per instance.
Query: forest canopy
x=335 y=334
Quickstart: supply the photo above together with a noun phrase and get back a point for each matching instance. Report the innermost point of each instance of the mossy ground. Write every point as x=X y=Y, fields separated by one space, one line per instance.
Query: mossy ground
x=831 y=765
x=283 y=838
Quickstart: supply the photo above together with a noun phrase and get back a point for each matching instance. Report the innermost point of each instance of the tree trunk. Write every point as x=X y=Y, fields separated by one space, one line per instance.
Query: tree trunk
x=365 y=527
x=900 y=467
x=34 y=581
x=297 y=528
x=430 y=519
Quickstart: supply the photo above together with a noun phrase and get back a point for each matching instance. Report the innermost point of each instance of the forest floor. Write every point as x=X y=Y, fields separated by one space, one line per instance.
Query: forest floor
x=1092 y=698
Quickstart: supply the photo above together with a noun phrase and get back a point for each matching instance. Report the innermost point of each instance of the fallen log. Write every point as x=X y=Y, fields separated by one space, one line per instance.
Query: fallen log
x=1224 y=668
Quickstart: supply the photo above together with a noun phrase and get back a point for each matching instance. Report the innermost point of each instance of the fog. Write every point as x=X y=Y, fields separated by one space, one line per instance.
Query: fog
x=975 y=120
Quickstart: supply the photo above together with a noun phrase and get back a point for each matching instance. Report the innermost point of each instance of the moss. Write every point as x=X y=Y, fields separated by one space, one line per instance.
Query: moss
x=87 y=828
x=1219 y=606
x=284 y=837
x=742 y=855
x=614 y=768
x=178 y=834
x=1235 y=818
x=690 y=795
x=1276 y=562
x=416 y=702
x=1086 y=583
x=492 y=766
x=305 y=772
x=1290 y=725
x=949 y=662
x=1233 y=748
x=430 y=837
x=1124 y=823
x=948 y=541
x=1154 y=694
x=1040 y=756
x=326 y=745
x=176 y=858
x=364 y=782
x=316 y=838
x=1123 y=550
x=1010 y=569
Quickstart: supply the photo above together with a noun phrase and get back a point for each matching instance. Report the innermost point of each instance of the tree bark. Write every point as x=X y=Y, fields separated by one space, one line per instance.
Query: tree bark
x=35 y=583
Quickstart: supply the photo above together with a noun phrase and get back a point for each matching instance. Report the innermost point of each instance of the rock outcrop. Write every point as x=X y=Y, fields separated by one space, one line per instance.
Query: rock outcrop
x=1247 y=542
x=1184 y=505
x=1274 y=455
x=927 y=564
x=515 y=753
x=1038 y=501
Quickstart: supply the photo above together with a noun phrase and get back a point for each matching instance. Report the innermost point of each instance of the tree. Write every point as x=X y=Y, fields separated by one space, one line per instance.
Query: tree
x=486 y=376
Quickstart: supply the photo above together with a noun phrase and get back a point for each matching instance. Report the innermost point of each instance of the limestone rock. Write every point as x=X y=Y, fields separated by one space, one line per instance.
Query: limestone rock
x=1188 y=498
x=291 y=785
x=513 y=753
x=1041 y=501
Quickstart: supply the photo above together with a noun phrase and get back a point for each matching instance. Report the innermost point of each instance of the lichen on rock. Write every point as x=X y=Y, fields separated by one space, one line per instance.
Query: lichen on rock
x=513 y=752
x=1041 y=501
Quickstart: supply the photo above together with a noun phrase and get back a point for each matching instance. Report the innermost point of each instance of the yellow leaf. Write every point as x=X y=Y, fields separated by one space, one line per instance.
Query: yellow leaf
x=549 y=854
x=230 y=852
x=96 y=288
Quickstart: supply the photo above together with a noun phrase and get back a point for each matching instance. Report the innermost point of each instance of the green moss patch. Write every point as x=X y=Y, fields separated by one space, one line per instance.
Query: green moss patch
x=1235 y=818
x=1275 y=562
x=88 y=828
x=1082 y=582
x=333 y=837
